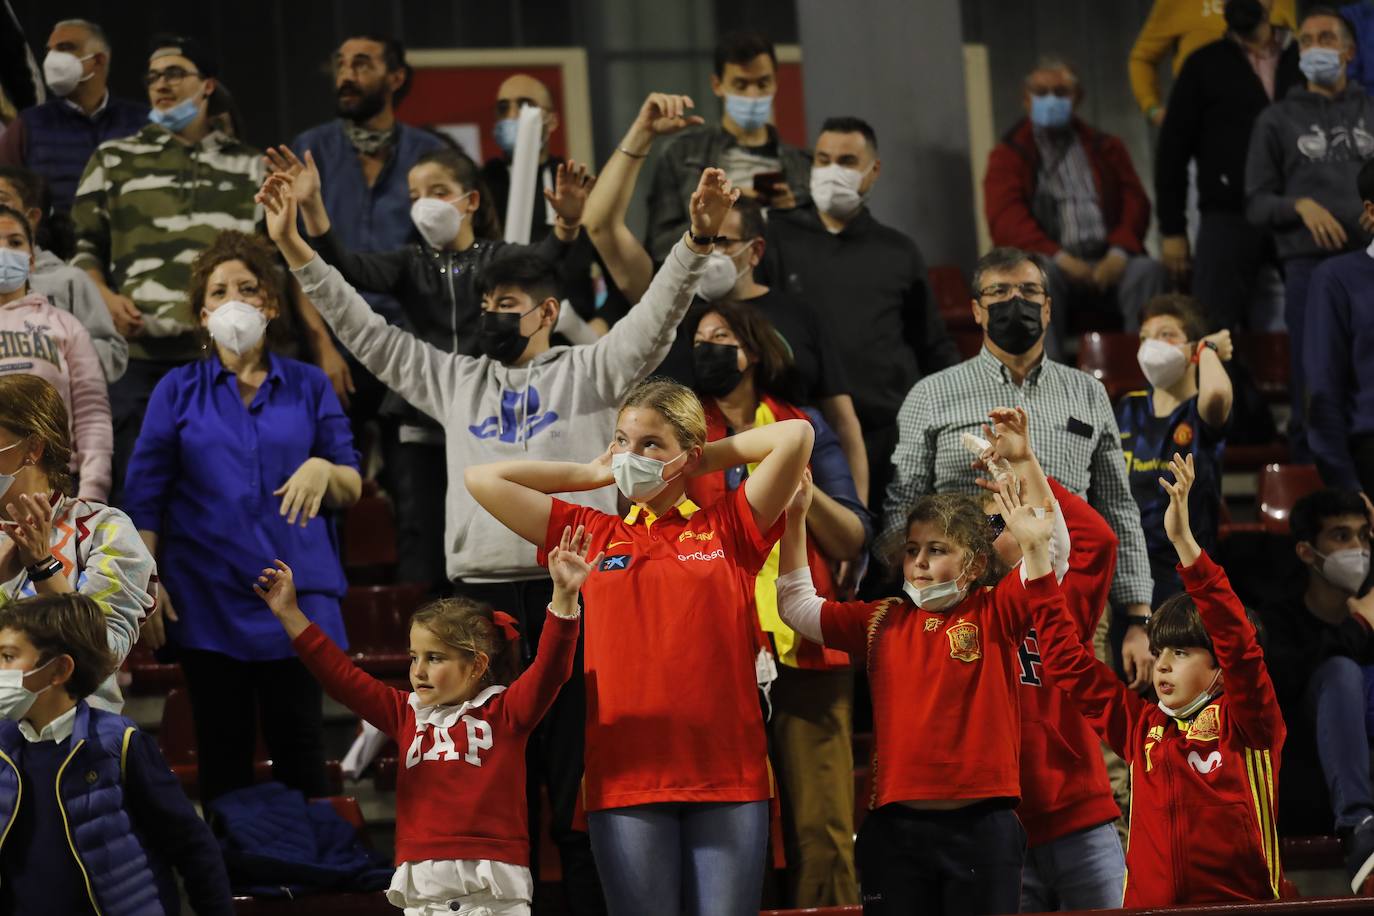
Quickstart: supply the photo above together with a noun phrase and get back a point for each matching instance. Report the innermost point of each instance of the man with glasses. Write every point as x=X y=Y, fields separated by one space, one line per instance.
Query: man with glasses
x=1059 y=188
x=56 y=138
x=145 y=206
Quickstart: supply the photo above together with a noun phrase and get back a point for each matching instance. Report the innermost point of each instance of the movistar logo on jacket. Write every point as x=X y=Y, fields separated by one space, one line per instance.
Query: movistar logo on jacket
x=519 y=419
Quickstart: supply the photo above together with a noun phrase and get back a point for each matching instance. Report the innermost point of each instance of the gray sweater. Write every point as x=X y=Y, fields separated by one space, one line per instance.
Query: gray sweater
x=1307 y=145
x=72 y=290
x=561 y=406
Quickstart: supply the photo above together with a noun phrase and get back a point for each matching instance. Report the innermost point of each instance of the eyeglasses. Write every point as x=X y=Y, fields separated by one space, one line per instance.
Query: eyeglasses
x=173 y=75
x=1062 y=92
x=723 y=243
x=1003 y=290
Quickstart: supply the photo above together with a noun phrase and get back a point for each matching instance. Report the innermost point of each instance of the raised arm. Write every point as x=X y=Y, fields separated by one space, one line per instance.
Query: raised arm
x=1214 y=393
x=517 y=493
x=779 y=452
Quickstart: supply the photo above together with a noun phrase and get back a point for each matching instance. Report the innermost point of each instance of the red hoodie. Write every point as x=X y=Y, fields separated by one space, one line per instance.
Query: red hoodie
x=1064 y=785
x=1203 y=790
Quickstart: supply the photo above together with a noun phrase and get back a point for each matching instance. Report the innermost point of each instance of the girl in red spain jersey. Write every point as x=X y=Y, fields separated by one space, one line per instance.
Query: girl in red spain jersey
x=461 y=837
x=943 y=667
x=1207 y=755
x=677 y=781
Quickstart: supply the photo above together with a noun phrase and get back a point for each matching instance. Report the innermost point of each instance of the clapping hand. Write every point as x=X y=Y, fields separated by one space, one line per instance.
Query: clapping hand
x=304 y=177
x=712 y=199
x=279 y=200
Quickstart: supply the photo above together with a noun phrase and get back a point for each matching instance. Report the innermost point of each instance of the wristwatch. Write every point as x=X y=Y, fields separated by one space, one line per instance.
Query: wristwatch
x=1138 y=620
x=1209 y=344
x=44 y=569
x=707 y=240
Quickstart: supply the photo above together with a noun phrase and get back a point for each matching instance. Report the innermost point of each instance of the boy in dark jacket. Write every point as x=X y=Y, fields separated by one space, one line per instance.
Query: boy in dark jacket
x=104 y=840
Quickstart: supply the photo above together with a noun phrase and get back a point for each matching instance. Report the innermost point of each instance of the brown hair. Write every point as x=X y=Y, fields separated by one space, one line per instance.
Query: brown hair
x=69 y=624
x=960 y=518
x=1177 y=305
x=255 y=254
x=677 y=403
x=486 y=222
x=31 y=408
x=467 y=626
x=21 y=219
x=761 y=340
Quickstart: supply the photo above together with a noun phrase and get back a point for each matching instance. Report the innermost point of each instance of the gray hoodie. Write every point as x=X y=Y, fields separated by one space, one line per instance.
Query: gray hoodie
x=72 y=290
x=561 y=406
x=1307 y=145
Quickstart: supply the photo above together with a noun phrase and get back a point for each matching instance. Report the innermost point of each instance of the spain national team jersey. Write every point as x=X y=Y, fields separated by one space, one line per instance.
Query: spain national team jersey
x=672 y=707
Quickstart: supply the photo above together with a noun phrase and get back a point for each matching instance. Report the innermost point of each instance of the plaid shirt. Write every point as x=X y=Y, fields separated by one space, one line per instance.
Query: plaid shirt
x=1073 y=429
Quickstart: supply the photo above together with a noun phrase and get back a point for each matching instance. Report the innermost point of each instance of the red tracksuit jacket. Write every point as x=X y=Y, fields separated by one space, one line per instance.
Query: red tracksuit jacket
x=1203 y=791
x=1064 y=785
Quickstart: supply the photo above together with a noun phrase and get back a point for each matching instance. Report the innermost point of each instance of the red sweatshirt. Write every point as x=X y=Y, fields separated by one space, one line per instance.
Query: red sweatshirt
x=1203 y=790
x=460 y=793
x=945 y=717
x=1064 y=785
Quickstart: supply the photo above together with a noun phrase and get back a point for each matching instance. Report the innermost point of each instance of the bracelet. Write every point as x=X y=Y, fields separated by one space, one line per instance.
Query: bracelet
x=560 y=616
x=1210 y=345
x=44 y=569
x=633 y=155
x=561 y=223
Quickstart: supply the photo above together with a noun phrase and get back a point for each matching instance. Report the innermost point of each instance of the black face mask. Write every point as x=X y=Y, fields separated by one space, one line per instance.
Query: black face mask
x=716 y=367
x=499 y=337
x=1014 y=324
x=1243 y=16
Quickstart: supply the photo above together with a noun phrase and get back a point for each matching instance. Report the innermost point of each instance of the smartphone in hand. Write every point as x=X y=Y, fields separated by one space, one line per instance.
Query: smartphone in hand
x=765 y=186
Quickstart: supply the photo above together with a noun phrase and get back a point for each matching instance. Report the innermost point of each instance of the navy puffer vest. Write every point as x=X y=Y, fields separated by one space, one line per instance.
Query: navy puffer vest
x=60 y=140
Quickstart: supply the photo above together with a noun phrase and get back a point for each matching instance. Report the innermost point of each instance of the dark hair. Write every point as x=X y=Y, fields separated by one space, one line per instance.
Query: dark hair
x=961 y=519
x=189 y=48
x=394 y=57
x=1365 y=181
x=486 y=223
x=848 y=124
x=21 y=219
x=1002 y=259
x=467 y=626
x=56 y=232
x=69 y=624
x=1176 y=624
x=221 y=105
x=740 y=47
x=759 y=339
x=519 y=267
x=30 y=407
x=1333 y=13
x=261 y=260
x=751 y=219
x=1312 y=511
x=1177 y=305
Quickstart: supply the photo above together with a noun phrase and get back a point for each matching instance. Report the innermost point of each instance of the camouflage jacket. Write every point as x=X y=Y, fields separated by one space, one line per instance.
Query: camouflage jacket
x=146 y=205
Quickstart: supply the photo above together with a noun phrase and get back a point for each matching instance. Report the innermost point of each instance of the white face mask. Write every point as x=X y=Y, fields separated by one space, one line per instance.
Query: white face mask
x=835 y=189
x=1162 y=363
x=237 y=326
x=1346 y=569
x=937 y=596
x=7 y=480
x=15 y=699
x=640 y=478
x=1198 y=702
x=720 y=276
x=62 y=71
x=438 y=221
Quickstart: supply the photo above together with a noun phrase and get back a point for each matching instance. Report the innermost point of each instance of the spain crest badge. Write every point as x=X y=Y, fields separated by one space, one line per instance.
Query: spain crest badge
x=1207 y=725
x=963 y=642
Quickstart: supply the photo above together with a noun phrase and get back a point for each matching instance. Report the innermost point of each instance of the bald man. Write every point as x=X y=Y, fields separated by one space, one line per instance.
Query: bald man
x=576 y=274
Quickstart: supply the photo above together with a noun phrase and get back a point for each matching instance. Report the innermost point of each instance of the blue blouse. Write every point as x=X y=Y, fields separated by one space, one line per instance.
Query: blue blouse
x=201 y=478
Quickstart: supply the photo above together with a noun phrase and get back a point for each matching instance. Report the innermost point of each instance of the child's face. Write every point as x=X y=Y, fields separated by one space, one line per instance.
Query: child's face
x=931 y=556
x=16 y=652
x=1181 y=674
x=441 y=675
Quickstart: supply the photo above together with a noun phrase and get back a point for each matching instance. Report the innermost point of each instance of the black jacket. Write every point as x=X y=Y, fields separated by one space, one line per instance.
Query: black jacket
x=1212 y=108
x=1297 y=641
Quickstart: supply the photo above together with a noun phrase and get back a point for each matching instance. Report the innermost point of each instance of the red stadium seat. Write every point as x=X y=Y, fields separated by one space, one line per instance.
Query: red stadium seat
x=151 y=676
x=1265 y=354
x=1109 y=357
x=375 y=618
x=1280 y=487
x=369 y=540
x=968 y=342
x=1254 y=457
x=952 y=297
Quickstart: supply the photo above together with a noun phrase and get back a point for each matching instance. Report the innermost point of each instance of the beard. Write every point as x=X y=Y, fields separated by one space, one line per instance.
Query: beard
x=361 y=107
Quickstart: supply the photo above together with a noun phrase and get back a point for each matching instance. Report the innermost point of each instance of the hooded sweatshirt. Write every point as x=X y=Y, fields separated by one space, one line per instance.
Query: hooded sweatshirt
x=72 y=290
x=37 y=339
x=1308 y=145
x=560 y=406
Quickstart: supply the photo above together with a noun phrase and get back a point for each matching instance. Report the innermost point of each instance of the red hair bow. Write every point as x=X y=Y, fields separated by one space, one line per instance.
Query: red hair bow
x=506 y=624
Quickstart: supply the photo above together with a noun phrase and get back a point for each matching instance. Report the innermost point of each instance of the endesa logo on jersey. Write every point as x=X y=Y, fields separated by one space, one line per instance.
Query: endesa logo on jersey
x=717 y=554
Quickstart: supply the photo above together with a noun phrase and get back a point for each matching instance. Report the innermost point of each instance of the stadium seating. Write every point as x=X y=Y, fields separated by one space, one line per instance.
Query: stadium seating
x=952 y=297
x=1109 y=357
x=1280 y=487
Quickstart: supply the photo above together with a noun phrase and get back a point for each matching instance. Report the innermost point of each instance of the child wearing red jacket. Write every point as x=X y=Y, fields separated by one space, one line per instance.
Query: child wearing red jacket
x=943 y=666
x=1207 y=753
x=461 y=837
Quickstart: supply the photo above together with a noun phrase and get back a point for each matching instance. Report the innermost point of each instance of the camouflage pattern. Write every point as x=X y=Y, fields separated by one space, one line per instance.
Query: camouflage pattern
x=145 y=207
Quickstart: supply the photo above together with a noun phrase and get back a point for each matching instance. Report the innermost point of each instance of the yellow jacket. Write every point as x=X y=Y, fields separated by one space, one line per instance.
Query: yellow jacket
x=1183 y=26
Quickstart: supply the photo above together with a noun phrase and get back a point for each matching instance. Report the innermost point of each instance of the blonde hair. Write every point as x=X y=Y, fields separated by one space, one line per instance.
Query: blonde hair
x=32 y=408
x=467 y=626
x=678 y=405
x=959 y=518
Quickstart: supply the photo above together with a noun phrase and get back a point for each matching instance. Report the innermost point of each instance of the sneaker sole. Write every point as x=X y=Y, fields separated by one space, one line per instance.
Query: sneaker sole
x=1358 y=881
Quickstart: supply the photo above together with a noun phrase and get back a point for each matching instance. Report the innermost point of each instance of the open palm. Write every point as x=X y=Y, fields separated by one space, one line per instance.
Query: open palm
x=569 y=566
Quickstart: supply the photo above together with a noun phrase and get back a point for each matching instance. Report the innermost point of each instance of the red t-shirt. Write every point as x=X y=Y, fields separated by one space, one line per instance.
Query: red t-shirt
x=672 y=707
x=946 y=720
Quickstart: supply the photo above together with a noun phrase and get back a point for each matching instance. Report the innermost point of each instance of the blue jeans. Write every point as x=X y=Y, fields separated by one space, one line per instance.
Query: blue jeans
x=699 y=859
x=1335 y=705
x=1082 y=871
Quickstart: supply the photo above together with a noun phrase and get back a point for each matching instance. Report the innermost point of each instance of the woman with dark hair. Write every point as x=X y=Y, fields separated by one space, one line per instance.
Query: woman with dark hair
x=238 y=454
x=435 y=280
x=743 y=373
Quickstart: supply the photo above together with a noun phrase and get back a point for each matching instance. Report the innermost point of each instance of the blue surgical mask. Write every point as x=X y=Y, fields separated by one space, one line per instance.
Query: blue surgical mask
x=178 y=117
x=749 y=111
x=14 y=269
x=504 y=132
x=1322 y=66
x=1051 y=111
